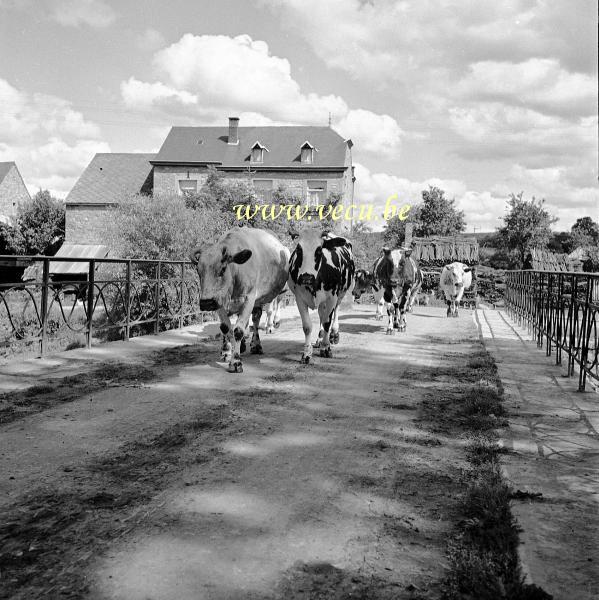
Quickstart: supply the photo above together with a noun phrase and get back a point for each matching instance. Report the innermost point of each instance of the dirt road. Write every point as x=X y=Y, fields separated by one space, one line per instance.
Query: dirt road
x=173 y=479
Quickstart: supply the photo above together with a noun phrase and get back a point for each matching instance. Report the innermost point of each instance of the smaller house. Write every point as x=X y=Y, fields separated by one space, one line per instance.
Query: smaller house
x=12 y=191
x=107 y=180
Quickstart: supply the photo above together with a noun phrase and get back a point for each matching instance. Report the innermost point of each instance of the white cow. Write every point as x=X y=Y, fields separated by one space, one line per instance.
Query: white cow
x=244 y=270
x=455 y=278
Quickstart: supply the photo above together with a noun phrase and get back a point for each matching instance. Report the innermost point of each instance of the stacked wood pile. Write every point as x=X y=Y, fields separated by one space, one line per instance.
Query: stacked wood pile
x=545 y=260
x=433 y=253
x=439 y=251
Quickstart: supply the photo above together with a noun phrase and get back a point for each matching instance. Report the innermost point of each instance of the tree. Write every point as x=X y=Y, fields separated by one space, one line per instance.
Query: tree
x=585 y=233
x=163 y=227
x=220 y=194
x=436 y=215
x=39 y=226
x=527 y=226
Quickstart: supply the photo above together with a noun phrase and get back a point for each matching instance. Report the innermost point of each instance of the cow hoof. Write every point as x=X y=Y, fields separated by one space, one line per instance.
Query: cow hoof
x=326 y=352
x=316 y=344
x=277 y=324
x=256 y=350
x=304 y=360
x=236 y=367
x=389 y=331
x=334 y=337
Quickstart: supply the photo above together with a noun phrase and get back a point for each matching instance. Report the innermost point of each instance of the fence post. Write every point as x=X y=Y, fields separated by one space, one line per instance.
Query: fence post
x=90 y=300
x=584 y=349
x=181 y=295
x=157 y=321
x=127 y=301
x=44 y=306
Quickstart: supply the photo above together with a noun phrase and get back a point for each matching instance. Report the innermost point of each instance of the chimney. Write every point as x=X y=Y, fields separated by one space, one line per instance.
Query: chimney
x=233 y=124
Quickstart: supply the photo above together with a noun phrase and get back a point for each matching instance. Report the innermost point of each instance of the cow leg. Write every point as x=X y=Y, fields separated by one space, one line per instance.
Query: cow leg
x=226 y=330
x=269 y=317
x=390 y=312
x=325 y=312
x=235 y=365
x=379 y=309
x=255 y=344
x=307 y=327
x=277 y=312
x=334 y=333
x=449 y=309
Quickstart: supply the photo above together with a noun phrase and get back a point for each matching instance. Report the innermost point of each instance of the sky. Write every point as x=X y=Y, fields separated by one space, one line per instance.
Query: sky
x=480 y=98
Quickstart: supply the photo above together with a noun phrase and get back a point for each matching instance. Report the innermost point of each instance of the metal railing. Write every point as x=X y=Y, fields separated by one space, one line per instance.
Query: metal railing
x=114 y=297
x=561 y=311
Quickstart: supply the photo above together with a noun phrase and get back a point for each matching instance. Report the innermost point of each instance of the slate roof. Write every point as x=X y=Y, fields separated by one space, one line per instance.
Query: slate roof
x=193 y=145
x=110 y=177
x=5 y=167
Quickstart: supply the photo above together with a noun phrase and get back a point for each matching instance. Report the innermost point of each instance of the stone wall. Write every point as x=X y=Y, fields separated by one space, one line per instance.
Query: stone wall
x=88 y=224
x=12 y=193
x=166 y=179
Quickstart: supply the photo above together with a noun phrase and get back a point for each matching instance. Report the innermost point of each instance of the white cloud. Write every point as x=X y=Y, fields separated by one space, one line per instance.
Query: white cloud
x=497 y=130
x=484 y=209
x=50 y=141
x=73 y=13
x=150 y=40
x=206 y=77
x=538 y=82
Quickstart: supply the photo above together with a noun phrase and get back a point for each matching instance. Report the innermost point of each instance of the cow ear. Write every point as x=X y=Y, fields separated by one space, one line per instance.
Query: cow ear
x=241 y=257
x=467 y=269
x=333 y=242
x=293 y=234
x=195 y=254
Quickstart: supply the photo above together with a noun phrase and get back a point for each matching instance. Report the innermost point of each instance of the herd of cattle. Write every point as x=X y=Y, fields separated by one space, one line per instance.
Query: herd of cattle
x=248 y=269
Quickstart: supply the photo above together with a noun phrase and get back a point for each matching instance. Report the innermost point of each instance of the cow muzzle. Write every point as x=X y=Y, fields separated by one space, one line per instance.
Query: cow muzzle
x=306 y=279
x=208 y=304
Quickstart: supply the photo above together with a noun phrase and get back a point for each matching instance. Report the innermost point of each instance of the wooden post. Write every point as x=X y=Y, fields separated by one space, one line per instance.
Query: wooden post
x=90 y=300
x=44 y=306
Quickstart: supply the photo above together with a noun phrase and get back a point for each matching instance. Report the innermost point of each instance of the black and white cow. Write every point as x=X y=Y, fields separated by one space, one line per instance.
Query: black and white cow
x=244 y=270
x=455 y=278
x=321 y=271
x=397 y=280
x=364 y=283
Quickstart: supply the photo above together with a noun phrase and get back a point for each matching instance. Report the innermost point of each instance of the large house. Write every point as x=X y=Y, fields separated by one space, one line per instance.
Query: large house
x=12 y=191
x=311 y=162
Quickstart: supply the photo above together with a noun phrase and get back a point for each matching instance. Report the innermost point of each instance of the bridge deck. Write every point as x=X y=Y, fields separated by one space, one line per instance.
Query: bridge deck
x=336 y=467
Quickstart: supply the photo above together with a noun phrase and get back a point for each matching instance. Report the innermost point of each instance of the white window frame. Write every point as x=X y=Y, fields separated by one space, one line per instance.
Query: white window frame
x=185 y=192
x=314 y=192
x=270 y=191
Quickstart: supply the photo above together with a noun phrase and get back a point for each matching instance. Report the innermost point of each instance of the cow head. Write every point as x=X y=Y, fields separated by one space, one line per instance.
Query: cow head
x=452 y=278
x=216 y=265
x=364 y=280
x=307 y=256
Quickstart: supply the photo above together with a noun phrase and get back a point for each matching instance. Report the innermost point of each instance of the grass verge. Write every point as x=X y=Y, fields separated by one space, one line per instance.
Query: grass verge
x=483 y=552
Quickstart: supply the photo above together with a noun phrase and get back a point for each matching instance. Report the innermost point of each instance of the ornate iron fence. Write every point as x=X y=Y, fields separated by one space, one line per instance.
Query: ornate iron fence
x=561 y=311
x=115 y=299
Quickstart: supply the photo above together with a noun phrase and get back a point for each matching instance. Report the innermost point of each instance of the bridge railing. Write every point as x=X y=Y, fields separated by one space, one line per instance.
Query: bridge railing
x=561 y=311
x=113 y=299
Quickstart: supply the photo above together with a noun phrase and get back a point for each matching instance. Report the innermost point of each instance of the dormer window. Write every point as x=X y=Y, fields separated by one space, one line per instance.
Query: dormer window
x=257 y=155
x=307 y=153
